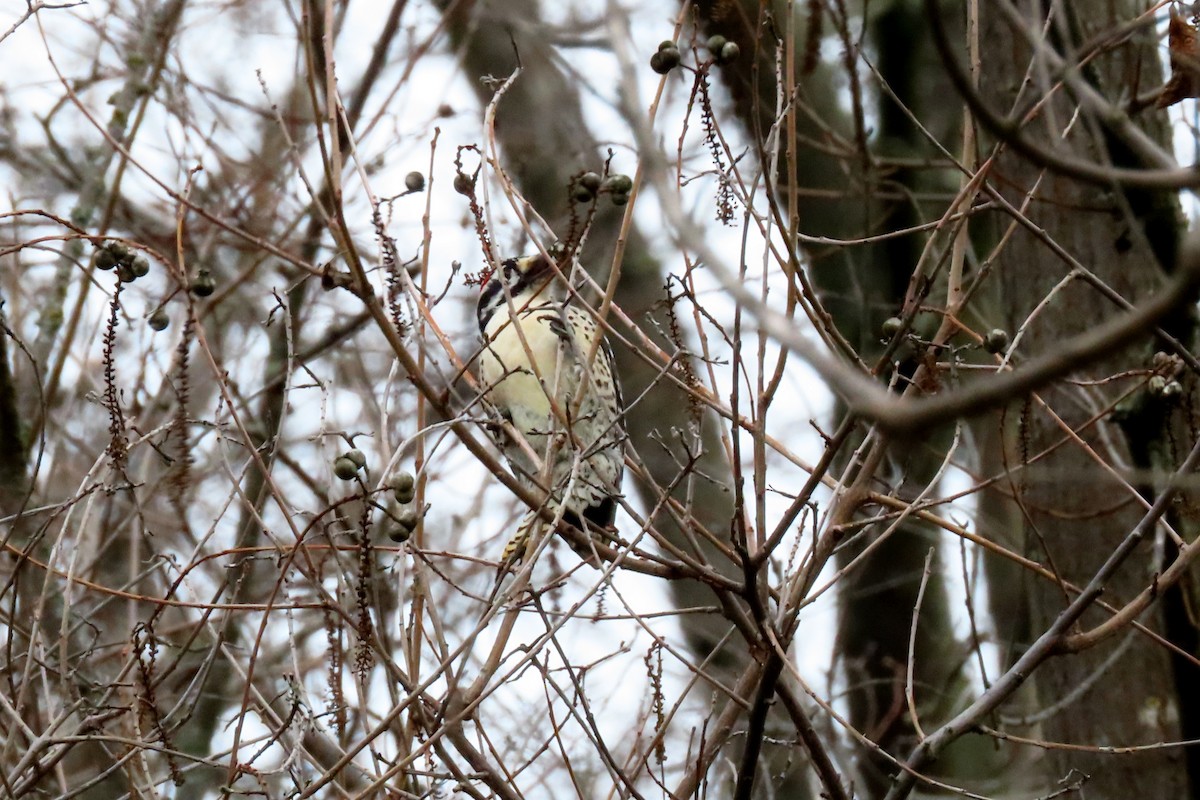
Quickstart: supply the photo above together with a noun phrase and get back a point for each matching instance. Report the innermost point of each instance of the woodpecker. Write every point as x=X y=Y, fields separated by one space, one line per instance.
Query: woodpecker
x=535 y=373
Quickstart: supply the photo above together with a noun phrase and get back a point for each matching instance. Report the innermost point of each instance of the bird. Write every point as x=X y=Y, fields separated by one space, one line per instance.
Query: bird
x=535 y=372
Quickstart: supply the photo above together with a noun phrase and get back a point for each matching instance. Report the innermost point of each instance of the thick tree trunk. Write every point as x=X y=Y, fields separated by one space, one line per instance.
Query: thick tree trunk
x=1075 y=512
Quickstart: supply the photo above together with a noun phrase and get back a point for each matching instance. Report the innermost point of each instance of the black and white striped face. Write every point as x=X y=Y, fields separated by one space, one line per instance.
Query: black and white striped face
x=522 y=276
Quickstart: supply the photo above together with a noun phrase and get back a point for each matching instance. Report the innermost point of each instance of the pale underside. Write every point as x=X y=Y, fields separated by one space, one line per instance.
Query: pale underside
x=579 y=441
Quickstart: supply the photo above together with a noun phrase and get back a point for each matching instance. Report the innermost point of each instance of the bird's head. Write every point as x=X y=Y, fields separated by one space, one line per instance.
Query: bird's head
x=524 y=278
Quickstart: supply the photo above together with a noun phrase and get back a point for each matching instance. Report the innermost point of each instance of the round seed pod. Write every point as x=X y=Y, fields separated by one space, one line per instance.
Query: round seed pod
x=665 y=60
x=408 y=518
x=203 y=284
x=357 y=456
x=582 y=194
x=344 y=468
x=414 y=182
x=159 y=320
x=996 y=341
x=403 y=486
x=405 y=523
x=619 y=184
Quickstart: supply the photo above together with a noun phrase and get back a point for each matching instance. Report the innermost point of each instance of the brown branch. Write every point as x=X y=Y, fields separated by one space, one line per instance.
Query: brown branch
x=1008 y=130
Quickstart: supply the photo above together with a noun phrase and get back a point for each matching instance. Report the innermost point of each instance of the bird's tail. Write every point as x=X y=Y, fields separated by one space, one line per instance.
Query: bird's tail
x=514 y=551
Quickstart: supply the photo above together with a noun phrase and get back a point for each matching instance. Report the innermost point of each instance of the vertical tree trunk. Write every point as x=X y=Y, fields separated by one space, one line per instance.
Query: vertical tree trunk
x=1075 y=513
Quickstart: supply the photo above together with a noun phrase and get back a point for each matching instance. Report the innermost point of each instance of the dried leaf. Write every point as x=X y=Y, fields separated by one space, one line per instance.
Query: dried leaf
x=1184 y=49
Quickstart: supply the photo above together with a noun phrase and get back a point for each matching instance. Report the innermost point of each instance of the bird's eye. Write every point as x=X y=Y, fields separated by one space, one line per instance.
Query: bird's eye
x=509 y=271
